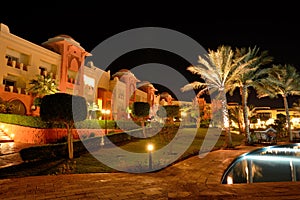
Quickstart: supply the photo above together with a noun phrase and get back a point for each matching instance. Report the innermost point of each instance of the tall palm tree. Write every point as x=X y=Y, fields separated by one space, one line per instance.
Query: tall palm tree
x=41 y=86
x=282 y=80
x=219 y=70
x=235 y=114
x=255 y=59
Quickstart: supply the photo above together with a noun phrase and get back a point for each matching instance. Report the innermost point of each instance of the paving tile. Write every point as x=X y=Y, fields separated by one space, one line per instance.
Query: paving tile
x=194 y=178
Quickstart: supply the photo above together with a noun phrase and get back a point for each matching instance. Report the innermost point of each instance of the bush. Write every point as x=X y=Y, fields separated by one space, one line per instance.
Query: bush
x=45 y=152
x=37 y=122
x=51 y=151
x=22 y=120
x=60 y=150
x=94 y=124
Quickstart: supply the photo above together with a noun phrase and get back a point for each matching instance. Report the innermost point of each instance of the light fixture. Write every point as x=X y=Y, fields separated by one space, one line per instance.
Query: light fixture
x=150 y=148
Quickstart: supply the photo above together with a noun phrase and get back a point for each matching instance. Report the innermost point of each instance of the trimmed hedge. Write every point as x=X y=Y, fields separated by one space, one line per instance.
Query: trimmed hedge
x=23 y=120
x=37 y=122
x=58 y=151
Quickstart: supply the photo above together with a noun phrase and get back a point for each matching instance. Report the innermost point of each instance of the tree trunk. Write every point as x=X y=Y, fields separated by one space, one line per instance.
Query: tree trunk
x=245 y=114
x=286 y=106
x=225 y=119
x=198 y=122
x=70 y=141
x=143 y=128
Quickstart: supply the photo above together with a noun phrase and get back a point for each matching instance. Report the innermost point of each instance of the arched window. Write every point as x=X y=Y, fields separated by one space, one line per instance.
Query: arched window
x=18 y=107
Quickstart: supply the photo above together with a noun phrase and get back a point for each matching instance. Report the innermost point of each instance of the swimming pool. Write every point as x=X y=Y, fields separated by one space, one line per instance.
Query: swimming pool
x=278 y=163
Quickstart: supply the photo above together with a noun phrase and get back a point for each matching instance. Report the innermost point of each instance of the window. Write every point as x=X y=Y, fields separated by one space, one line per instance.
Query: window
x=11 y=60
x=43 y=70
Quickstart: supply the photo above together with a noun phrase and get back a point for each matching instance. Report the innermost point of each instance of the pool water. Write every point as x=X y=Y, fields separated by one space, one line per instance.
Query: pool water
x=278 y=163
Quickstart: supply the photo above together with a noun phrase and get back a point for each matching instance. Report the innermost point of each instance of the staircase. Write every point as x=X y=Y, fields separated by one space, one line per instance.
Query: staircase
x=4 y=137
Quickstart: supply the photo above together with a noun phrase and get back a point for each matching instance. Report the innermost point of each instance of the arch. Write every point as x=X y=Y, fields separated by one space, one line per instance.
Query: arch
x=18 y=107
x=74 y=65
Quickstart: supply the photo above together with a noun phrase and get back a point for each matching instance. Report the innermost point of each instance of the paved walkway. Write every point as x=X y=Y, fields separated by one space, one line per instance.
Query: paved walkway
x=194 y=178
x=9 y=153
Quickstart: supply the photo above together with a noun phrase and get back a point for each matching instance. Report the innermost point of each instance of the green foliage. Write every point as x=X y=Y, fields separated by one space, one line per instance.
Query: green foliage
x=37 y=122
x=140 y=109
x=94 y=124
x=66 y=108
x=168 y=111
x=279 y=80
x=253 y=119
x=37 y=101
x=87 y=163
x=63 y=107
x=60 y=150
x=45 y=152
x=22 y=120
x=43 y=85
x=205 y=123
x=280 y=124
x=6 y=107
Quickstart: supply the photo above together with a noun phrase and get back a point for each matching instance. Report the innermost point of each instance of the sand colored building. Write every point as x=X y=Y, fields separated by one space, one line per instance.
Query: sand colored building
x=64 y=59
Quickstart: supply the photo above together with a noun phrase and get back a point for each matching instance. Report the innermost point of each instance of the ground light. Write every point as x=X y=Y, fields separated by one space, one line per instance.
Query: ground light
x=150 y=148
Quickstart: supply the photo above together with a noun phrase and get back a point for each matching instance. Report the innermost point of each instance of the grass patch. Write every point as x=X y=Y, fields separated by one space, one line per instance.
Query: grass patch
x=88 y=163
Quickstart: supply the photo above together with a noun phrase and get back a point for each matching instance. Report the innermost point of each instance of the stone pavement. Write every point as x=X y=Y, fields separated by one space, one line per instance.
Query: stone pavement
x=9 y=153
x=194 y=178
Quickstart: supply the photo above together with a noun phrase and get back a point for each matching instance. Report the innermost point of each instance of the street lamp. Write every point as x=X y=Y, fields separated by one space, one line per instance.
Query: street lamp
x=150 y=148
x=183 y=117
x=105 y=113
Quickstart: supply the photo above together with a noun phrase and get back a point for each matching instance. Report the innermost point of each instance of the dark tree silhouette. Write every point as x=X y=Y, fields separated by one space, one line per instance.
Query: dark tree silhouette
x=66 y=108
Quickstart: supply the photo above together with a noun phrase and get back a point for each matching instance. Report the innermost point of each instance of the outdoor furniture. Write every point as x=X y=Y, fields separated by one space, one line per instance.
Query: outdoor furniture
x=266 y=136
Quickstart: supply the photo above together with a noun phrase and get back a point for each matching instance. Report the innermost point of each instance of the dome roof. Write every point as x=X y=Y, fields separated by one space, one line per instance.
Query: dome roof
x=165 y=95
x=62 y=37
x=122 y=72
x=143 y=85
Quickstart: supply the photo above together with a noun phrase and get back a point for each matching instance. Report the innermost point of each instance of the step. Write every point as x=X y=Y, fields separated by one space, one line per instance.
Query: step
x=4 y=137
x=4 y=141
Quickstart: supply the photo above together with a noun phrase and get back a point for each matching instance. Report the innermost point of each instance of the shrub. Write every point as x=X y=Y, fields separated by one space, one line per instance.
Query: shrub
x=22 y=120
x=60 y=150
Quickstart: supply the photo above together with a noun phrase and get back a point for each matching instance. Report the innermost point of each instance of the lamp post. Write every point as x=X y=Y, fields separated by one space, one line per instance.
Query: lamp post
x=183 y=115
x=105 y=113
x=150 y=148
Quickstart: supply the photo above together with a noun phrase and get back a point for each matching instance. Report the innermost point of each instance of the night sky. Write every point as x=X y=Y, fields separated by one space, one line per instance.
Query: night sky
x=272 y=27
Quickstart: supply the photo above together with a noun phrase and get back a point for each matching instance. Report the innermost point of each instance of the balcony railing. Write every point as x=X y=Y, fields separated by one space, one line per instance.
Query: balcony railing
x=14 y=89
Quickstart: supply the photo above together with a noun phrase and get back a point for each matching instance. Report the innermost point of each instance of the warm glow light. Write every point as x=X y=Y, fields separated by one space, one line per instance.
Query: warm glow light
x=106 y=111
x=150 y=147
x=247 y=172
x=100 y=104
x=2 y=126
x=229 y=180
x=6 y=130
x=12 y=135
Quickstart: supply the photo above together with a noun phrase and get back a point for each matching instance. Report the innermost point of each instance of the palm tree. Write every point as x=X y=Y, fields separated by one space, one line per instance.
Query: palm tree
x=235 y=115
x=41 y=86
x=219 y=70
x=255 y=59
x=282 y=80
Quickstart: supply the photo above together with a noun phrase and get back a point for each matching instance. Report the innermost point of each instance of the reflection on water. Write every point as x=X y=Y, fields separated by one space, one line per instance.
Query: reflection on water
x=269 y=164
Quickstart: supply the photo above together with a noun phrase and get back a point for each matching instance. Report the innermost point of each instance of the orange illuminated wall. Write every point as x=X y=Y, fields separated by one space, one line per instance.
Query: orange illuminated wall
x=72 y=62
x=105 y=97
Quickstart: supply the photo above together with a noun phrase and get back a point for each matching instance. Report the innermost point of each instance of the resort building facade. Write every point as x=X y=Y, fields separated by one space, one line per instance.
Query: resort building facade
x=63 y=59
